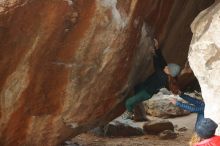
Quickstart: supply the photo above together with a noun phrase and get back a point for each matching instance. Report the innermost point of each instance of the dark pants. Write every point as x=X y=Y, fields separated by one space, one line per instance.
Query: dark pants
x=140 y=96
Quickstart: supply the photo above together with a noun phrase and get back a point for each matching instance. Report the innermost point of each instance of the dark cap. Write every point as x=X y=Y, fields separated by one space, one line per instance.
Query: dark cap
x=206 y=128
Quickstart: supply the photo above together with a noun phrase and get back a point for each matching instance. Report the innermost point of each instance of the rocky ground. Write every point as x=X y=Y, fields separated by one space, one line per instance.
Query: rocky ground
x=89 y=139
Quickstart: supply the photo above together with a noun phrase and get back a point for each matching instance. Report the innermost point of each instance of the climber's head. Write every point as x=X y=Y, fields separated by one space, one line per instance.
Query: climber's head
x=172 y=69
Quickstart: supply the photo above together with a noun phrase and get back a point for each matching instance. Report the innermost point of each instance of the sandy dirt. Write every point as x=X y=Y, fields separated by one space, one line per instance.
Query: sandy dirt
x=183 y=138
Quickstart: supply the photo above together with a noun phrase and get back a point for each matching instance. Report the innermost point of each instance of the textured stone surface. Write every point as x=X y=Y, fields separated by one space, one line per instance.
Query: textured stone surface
x=168 y=134
x=69 y=64
x=66 y=64
x=204 y=58
x=160 y=106
x=121 y=128
x=157 y=126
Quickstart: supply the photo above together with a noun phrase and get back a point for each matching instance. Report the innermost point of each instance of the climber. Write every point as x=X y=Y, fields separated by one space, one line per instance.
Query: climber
x=164 y=75
x=205 y=134
x=195 y=105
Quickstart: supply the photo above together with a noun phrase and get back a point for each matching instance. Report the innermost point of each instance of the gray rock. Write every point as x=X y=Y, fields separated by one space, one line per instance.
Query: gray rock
x=168 y=134
x=98 y=131
x=182 y=129
x=160 y=106
x=157 y=126
x=119 y=129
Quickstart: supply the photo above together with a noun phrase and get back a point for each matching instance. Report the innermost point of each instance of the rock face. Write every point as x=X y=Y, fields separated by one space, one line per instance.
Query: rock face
x=69 y=64
x=204 y=57
x=66 y=64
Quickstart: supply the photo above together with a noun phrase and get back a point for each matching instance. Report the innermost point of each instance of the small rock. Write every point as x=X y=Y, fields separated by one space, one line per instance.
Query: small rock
x=182 y=129
x=157 y=126
x=167 y=134
x=118 y=129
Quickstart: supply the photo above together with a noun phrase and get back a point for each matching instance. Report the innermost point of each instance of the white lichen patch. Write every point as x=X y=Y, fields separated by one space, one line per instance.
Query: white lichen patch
x=136 y=22
x=6 y=5
x=117 y=17
x=143 y=34
x=74 y=125
x=145 y=40
x=70 y=2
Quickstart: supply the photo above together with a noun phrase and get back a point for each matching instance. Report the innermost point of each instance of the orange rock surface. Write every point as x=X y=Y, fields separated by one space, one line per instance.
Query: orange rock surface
x=67 y=66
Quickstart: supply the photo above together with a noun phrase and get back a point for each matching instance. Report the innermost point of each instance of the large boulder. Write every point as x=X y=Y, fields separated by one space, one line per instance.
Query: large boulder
x=66 y=66
x=160 y=105
x=204 y=58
